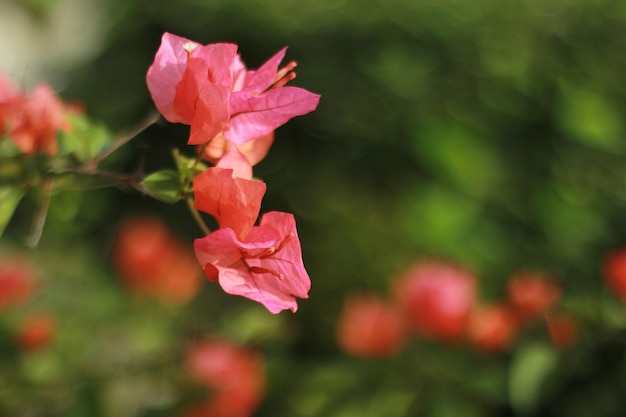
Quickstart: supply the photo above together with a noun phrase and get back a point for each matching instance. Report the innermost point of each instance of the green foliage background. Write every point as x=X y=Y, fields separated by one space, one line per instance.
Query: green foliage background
x=490 y=133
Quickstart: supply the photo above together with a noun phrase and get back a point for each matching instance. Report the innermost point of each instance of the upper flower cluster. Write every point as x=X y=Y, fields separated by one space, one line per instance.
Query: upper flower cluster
x=32 y=120
x=209 y=88
x=233 y=112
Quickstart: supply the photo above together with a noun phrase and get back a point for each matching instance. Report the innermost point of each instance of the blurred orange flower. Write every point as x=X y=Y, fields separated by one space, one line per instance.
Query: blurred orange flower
x=562 y=328
x=532 y=294
x=16 y=282
x=370 y=327
x=491 y=328
x=33 y=121
x=36 y=332
x=151 y=261
x=614 y=272
x=235 y=375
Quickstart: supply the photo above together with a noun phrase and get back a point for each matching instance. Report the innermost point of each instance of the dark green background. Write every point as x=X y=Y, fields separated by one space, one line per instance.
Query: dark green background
x=489 y=133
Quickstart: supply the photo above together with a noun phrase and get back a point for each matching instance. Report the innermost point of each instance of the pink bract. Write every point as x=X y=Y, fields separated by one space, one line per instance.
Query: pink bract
x=266 y=267
x=234 y=202
x=209 y=88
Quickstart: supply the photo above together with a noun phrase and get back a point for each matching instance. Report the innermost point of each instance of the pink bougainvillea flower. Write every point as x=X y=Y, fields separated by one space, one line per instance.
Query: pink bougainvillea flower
x=264 y=103
x=370 y=327
x=266 y=267
x=35 y=123
x=235 y=376
x=436 y=298
x=234 y=202
x=191 y=84
x=209 y=88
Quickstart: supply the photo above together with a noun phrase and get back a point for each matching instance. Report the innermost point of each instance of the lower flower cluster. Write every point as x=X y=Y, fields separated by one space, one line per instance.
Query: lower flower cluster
x=233 y=375
x=438 y=300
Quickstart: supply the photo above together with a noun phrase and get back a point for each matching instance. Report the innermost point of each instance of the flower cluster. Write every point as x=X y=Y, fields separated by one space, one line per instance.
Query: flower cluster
x=232 y=113
x=32 y=121
x=34 y=330
x=234 y=375
x=437 y=300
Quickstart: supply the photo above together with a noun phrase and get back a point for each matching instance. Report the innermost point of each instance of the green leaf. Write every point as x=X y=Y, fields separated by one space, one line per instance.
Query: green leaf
x=85 y=140
x=530 y=368
x=163 y=185
x=188 y=167
x=9 y=199
x=8 y=148
x=590 y=117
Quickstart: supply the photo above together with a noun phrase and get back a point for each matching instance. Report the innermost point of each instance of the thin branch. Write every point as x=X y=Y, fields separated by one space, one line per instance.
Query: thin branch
x=122 y=140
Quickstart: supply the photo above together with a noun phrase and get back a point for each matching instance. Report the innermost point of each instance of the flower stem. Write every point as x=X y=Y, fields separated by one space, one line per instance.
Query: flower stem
x=196 y=216
x=122 y=140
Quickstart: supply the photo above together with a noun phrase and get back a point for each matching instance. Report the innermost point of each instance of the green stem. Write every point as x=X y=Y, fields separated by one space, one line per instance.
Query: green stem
x=122 y=140
x=196 y=216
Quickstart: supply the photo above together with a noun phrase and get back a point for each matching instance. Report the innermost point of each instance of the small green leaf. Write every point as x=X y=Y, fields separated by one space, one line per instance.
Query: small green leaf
x=530 y=368
x=8 y=148
x=85 y=140
x=9 y=199
x=163 y=185
x=188 y=167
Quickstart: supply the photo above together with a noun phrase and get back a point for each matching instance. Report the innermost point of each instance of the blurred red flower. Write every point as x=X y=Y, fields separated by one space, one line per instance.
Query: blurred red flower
x=532 y=294
x=36 y=332
x=16 y=282
x=562 y=328
x=491 y=328
x=436 y=299
x=35 y=120
x=152 y=261
x=614 y=272
x=235 y=375
x=370 y=327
